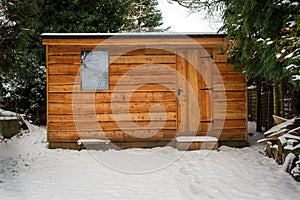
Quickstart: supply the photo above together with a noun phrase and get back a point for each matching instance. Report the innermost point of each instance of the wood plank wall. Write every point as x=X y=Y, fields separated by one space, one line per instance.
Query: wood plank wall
x=74 y=114
x=229 y=101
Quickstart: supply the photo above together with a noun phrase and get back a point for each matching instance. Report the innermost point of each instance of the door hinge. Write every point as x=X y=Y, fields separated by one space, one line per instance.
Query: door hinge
x=205 y=57
x=206 y=89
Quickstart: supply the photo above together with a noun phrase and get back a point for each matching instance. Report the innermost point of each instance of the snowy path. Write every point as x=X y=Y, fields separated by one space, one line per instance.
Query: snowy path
x=31 y=171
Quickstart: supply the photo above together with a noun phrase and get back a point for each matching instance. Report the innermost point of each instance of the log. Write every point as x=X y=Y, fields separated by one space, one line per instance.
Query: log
x=281 y=143
x=289 y=162
x=296 y=171
x=276 y=154
x=272 y=140
x=289 y=124
x=268 y=149
x=278 y=134
x=278 y=120
x=295 y=131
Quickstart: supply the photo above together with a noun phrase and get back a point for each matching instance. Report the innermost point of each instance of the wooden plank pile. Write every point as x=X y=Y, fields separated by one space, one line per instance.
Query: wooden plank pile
x=283 y=144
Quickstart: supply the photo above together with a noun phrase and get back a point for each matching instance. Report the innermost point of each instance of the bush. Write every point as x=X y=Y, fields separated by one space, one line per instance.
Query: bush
x=25 y=87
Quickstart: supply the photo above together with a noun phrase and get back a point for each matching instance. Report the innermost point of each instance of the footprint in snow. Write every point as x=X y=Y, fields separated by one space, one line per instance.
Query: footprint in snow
x=195 y=189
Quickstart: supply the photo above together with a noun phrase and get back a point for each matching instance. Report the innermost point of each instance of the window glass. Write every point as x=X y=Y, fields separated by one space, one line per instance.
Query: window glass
x=94 y=70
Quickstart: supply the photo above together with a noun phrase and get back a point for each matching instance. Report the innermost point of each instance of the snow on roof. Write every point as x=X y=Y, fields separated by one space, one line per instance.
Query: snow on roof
x=6 y=113
x=8 y=118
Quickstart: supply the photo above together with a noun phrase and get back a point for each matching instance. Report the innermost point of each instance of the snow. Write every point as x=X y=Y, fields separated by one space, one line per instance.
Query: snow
x=92 y=141
x=285 y=1
x=279 y=127
x=291 y=66
x=6 y=113
x=196 y=139
x=289 y=55
x=8 y=118
x=278 y=55
x=294 y=131
x=291 y=148
x=288 y=163
x=290 y=136
x=252 y=87
x=291 y=23
x=295 y=4
x=282 y=140
x=296 y=77
x=31 y=171
x=296 y=171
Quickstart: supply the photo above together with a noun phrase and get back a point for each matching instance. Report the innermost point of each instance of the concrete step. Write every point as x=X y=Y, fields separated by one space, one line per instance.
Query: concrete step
x=196 y=143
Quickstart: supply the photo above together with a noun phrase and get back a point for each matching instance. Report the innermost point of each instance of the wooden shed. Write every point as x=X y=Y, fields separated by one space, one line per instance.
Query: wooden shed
x=142 y=89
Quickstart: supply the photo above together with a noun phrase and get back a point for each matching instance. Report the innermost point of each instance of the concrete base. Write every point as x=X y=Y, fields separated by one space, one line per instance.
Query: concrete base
x=151 y=144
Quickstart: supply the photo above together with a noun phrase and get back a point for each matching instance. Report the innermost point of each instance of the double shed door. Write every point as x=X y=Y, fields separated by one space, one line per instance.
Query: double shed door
x=183 y=78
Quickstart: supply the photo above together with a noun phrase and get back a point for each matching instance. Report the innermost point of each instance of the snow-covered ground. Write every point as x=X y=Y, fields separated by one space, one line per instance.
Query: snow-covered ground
x=31 y=171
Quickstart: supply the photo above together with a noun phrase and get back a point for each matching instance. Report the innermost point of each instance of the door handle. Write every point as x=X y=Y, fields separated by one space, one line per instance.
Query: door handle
x=178 y=92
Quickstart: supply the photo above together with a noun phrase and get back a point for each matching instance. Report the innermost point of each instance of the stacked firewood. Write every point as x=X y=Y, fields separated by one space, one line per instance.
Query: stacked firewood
x=283 y=144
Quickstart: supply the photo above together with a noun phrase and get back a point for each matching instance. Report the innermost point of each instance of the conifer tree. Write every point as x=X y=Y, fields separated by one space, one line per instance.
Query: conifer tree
x=144 y=17
x=264 y=36
x=22 y=22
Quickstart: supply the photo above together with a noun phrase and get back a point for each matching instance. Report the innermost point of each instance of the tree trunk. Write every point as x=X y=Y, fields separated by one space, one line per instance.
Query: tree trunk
x=281 y=100
x=276 y=99
x=258 y=105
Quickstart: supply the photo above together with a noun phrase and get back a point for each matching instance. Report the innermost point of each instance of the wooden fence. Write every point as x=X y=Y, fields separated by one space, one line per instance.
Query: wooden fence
x=267 y=102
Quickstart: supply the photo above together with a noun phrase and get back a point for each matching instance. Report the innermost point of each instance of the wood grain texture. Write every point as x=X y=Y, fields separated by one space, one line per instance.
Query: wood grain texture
x=145 y=73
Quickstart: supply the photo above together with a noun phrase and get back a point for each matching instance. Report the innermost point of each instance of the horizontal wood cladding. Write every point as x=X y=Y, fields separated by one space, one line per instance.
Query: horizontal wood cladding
x=118 y=107
x=236 y=134
x=135 y=69
x=136 y=117
x=142 y=59
x=229 y=95
x=230 y=87
x=229 y=78
x=63 y=69
x=124 y=59
x=64 y=59
x=106 y=97
x=230 y=114
x=110 y=125
x=119 y=88
x=230 y=123
x=129 y=135
x=127 y=79
x=113 y=50
x=229 y=106
x=142 y=101
x=223 y=68
x=114 y=69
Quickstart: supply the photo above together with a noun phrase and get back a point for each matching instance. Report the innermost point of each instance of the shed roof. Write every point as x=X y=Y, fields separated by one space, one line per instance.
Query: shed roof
x=130 y=35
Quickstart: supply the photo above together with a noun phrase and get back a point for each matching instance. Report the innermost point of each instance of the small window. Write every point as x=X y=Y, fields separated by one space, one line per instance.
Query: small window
x=94 y=70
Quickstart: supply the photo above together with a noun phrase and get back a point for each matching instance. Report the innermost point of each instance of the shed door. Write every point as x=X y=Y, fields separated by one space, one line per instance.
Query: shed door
x=194 y=90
